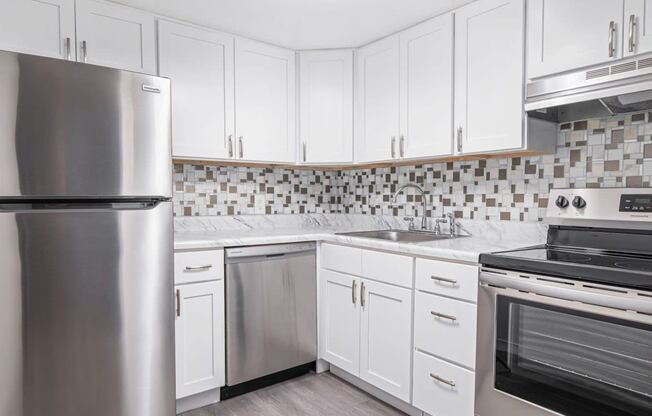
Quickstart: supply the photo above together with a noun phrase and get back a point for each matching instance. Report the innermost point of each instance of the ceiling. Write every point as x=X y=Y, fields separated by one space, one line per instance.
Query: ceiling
x=302 y=24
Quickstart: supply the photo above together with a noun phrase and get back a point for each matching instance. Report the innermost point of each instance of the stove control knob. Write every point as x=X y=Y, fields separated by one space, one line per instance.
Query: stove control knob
x=579 y=202
x=561 y=202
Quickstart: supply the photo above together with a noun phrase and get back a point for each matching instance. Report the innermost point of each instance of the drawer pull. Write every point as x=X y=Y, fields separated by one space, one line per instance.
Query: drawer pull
x=197 y=268
x=444 y=280
x=443 y=380
x=443 y=315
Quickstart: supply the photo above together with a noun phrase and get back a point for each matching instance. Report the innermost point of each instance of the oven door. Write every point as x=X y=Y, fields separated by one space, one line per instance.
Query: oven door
x=550 y=346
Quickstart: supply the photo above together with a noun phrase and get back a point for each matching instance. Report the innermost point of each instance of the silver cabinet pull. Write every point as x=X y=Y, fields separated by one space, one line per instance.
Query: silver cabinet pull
x=353 y=287
x=230 y=139
x=443 y=380
x=393 y=142
x=362 y=301
x=632 y=32
x=444 y=280
x=195 y=268
x=241 y=149
x=401 y=146
x=459 y=139
x=68 y=47
x=304 y=151
x=178 y=296
x=443 y=315
x=612 y=39
x=84 y=49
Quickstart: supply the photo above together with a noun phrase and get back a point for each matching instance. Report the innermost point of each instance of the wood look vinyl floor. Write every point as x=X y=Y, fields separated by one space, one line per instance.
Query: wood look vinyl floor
x=314 y=394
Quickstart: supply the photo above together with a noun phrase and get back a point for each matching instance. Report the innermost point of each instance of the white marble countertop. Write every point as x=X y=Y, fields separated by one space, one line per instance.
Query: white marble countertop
x=217 y=232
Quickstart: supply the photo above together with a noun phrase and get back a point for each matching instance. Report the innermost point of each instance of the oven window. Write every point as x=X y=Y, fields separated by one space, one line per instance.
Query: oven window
x=574 y=363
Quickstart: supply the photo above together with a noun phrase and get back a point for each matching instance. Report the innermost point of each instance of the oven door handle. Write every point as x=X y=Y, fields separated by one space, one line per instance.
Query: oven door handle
x=618 y=300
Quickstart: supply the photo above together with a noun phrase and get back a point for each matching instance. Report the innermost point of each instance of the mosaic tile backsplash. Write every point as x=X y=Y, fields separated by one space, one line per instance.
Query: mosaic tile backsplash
x=610 y=152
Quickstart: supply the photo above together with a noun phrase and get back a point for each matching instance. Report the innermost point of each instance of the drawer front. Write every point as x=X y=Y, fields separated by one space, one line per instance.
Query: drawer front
x=341 y=259
x=198 y=266
x=388 y=268
x=458 y=281
x=437 y=397
x=445 y=328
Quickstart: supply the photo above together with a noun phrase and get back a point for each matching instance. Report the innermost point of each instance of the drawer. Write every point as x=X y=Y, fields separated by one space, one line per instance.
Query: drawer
x=389 y=268
x=437 y=397
x=198 y=266
x=434 y=332
x=449 y=279
x=341 y=259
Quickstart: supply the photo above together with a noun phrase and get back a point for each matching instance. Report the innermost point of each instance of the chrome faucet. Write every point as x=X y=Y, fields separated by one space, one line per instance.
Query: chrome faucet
x=424 y=224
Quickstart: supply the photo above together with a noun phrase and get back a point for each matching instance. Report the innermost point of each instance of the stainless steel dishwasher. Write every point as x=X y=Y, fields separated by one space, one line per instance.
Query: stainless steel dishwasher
x=271 y=313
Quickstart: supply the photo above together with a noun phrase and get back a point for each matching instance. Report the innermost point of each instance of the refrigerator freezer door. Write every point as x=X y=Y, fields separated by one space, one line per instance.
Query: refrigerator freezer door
x=72 y=130
x=87 y=312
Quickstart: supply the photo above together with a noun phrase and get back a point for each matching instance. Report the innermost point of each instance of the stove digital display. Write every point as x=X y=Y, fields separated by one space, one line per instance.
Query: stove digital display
x=636 y=203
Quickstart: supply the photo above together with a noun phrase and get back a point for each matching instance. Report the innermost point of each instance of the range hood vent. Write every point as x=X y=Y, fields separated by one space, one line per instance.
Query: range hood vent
x=623 y=87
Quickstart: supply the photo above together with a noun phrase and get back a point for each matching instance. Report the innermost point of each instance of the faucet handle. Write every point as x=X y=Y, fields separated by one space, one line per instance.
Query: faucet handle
x=411 y=222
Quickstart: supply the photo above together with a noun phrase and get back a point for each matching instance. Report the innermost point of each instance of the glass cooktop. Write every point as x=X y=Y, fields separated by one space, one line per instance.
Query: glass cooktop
x=583 y=264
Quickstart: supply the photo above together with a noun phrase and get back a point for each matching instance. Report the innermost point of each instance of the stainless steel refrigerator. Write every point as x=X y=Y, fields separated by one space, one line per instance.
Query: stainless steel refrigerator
x=86 y=287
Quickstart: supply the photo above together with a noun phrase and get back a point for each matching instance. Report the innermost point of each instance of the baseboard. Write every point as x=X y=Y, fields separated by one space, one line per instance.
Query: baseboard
x=198 y=400
x=376 y=392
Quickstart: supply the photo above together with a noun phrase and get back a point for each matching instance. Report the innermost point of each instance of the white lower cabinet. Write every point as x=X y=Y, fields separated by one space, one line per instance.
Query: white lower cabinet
x=385 y=328
x=199 y=334
x=441 y=388
x=366 y=327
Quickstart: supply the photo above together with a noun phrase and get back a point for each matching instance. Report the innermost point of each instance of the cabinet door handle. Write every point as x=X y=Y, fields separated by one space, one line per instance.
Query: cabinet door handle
x=443 y=380
x=459 y=139
x=443 y=315
x=353 y=287
x=230 y=145
x=444 y=280
x=362 y=301
x=84 y=50
x=393 y=143
x=241 y=149
x=195 y=268
x=632 y=32
x=68 y=47
x=178 y=296
x=401 y=146
x=612 y=39
x=304 y=151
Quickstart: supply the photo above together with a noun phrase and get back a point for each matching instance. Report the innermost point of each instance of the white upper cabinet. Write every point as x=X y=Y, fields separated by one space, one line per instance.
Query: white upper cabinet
x=489 y=82
x=116 y=36
x=565 y=35
x=326 y=106
x=199 y=63
x=38 y=27
x=426 y=85
x=377 y=118
x=265 y=96
x=637 y=27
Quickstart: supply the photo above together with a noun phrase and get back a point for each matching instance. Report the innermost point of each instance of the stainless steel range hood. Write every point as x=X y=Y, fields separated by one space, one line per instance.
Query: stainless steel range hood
x=623 y=87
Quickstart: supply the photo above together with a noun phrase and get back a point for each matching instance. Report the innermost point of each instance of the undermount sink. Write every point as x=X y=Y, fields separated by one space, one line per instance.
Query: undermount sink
x=401 y=236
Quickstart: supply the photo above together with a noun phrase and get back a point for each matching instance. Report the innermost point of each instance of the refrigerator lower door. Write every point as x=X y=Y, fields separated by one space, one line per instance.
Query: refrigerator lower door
x=86 y=312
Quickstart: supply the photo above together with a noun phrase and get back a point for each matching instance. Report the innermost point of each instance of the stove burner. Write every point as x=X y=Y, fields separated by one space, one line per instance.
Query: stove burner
x=635 y=265
x=569 y=257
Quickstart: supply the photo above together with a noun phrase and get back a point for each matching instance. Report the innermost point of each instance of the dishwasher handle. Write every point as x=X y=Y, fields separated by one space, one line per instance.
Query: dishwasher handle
x=247 y=254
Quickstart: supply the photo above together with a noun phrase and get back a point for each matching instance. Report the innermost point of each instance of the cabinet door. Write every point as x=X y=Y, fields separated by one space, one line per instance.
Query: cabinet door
x=200 y=64
x=339 y=334
x=378 y=100
x=564 y=35
x=199 y=334
x=637 y=27
x=385 y=337
x=38 y=27
x=264 y=90
x=489 y=76
x=326 y=106
x=427 y=89
x=116 y=36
